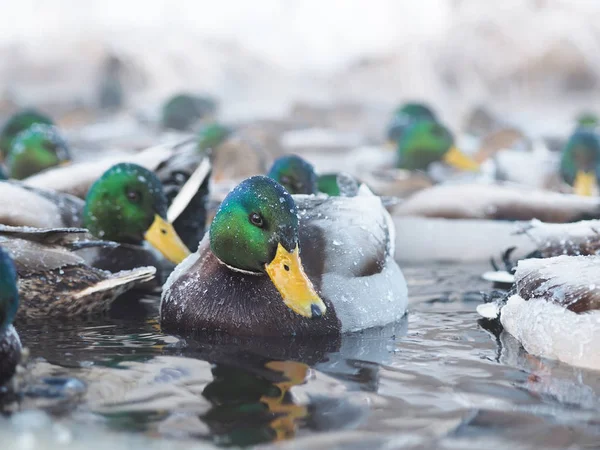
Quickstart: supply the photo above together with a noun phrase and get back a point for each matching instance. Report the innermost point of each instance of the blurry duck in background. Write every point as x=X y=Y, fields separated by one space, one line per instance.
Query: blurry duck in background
x=55 y=281
x=580 y=161
x=295 y=174
x=35 y=149
x=555 y=309
x=10 y=344
x=184 y=110
x=425 y=154
x=406 y=115
x=19 y=122
x=298 y=176
x=427 y=142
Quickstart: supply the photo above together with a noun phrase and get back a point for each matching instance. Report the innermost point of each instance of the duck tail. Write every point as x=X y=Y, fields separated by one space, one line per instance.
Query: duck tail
x=120 y=282
x=493 y=304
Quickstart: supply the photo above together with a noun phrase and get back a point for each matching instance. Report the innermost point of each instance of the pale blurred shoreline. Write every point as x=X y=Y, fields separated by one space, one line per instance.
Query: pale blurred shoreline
x=534 y=62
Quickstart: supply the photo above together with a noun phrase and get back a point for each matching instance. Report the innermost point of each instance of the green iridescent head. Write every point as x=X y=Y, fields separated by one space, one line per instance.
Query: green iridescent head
x=580 y=161
x=256 y=230
x=328 y=184
x=127 y=204
x=426 y=142
x=256 y=216
x=121 y=205
x=17 y=123
x=295 y=174
x=9 y=293
x=406 y=115
x=211 y=136
x=37 y=148
x=182 y=111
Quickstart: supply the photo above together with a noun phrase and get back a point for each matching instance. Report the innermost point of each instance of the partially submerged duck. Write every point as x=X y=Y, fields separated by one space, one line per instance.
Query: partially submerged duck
x=55 y=281
x=549 y=239
x=555 y=311
x=473 y=222
x=247 y=277
x=10 y=345
x=498 y=202
x=35 y=149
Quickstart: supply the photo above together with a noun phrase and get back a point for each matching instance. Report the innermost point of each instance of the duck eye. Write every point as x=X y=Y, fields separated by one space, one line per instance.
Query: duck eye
x=134 y=196
x=256 y=219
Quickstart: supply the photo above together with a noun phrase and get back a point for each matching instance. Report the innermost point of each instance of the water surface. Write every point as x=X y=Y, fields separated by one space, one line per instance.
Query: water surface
x=437 y=379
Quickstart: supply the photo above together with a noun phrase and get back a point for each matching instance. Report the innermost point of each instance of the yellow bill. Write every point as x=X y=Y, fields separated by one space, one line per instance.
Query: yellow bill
x=163 y=237
x=585 y=183
x=458 y=159
x=287 y=274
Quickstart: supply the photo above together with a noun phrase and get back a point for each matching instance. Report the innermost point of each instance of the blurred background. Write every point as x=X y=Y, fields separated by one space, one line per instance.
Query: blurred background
x=532 y=61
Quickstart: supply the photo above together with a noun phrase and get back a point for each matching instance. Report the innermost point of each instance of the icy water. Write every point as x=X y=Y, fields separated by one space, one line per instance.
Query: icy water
x=435 y=380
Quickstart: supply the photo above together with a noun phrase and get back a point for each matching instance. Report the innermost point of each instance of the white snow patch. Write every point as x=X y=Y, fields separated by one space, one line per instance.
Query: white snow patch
x=549 y=330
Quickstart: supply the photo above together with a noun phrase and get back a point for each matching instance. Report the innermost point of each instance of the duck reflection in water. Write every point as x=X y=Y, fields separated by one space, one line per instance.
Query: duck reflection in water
x=251 y=407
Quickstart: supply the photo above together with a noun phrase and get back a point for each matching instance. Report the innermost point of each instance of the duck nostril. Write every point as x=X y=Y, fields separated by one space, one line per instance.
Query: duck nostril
x=286 y=267
x=163 y=231
x=315 y=311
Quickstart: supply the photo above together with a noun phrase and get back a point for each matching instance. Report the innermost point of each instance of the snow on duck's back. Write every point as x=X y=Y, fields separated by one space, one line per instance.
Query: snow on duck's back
x=555 y=312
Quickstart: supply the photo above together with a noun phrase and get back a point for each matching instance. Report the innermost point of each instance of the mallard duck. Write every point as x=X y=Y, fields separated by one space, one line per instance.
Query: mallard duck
x=126 y=205
x=176 y=166
x=183 y=110
x=406 y=115
x=19 y=122
x=35 y=149
x=554 y=311
x=295 y=174
x=580 y=161
x=298 y=176
x=427 y=142
x=247 y=277
x=55 y=281
x=10 y=345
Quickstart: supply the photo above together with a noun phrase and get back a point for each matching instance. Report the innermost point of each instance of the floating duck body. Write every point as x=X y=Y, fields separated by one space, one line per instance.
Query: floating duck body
x=347 y=279
x=555 y=311
x=55 y=281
